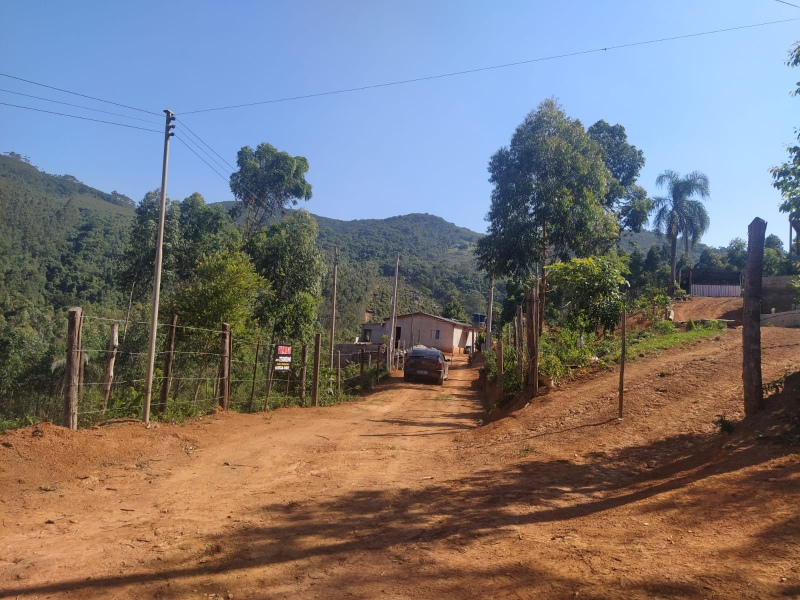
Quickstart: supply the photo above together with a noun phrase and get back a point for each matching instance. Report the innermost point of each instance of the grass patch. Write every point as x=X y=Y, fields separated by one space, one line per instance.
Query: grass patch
x=525 y=450
x=652 y=342
x=445 y=396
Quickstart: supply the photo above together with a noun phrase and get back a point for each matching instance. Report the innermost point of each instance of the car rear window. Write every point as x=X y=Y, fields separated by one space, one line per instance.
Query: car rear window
x=425 y=352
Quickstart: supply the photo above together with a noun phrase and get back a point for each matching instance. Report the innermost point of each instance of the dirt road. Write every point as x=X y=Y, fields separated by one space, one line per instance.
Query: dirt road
x=404 y=495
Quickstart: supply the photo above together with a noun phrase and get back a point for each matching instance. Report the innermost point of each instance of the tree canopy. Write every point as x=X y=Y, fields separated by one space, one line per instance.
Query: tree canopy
x=624 y=162
x=550 y=185
x=267 y=181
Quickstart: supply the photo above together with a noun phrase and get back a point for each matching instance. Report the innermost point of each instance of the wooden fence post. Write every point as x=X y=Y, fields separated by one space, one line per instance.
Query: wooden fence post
x=255 y=374
x=500 y=364
x=108 y=376
x=81 y=365
x=751 y=320
x=230 y=364
x=72 y=374
x=338 y=373
x=169 y=356
x=535 y=336
x=622 y=362
x=303 y=365
x=224 y=367
x=361 y=363
x=315 y=380
x=270 y=373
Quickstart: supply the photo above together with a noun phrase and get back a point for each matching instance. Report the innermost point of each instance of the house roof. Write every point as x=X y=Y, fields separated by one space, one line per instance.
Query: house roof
x=437 y=317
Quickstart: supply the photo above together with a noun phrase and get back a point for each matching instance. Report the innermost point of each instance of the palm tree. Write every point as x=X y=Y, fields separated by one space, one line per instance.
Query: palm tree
x=680 y=213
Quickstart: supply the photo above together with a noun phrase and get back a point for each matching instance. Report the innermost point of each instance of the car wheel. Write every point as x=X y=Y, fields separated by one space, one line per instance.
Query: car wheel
x=441 y=379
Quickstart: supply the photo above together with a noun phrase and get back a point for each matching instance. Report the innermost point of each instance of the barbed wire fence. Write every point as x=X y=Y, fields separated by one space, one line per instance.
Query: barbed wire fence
x=196 y=371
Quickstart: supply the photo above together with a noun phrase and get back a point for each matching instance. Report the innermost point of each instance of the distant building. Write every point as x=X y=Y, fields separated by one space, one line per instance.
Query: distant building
x=448 y=335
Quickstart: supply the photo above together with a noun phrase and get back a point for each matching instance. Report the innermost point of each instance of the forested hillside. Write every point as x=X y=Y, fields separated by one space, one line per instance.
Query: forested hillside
x=64 y=243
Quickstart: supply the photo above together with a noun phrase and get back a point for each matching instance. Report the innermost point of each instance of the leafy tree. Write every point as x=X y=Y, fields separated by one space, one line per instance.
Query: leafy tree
x=454 y=310
x=774 y=263
x=203 y=230
x=550 y=184
x=267 y=182
x=736 y=257
x=594 y=288
x=287 y=257
x=710 y=260
x=624 y=162
x=786 y=177
x=775 y=242
x=223 y=290
x=679 y=213
x=139 y=258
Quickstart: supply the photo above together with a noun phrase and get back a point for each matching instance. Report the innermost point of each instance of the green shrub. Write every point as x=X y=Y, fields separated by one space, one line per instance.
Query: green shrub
x=690 y=326
x=664 y=327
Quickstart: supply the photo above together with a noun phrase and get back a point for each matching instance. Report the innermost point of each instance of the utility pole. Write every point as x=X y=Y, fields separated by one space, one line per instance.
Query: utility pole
x=151 y=350
x=390 y=345
x=333 y=303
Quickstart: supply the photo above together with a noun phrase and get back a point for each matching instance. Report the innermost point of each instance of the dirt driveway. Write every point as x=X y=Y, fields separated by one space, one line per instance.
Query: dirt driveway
x=404 y=495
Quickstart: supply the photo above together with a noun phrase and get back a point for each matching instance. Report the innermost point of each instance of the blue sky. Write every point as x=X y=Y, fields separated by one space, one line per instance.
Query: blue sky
x=719 y=103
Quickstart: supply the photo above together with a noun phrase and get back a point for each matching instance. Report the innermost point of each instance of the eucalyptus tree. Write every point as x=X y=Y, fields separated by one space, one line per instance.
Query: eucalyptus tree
x=550 y=184
x=287 y=257
x=266 y=182
x=624 y=161
x=680 y=212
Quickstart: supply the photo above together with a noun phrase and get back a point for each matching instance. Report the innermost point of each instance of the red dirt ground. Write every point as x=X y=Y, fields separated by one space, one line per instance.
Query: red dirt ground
x=404 y=495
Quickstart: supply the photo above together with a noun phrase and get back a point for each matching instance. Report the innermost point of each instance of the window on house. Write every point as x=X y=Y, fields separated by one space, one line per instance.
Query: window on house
x=368 y=335
x=435 y=333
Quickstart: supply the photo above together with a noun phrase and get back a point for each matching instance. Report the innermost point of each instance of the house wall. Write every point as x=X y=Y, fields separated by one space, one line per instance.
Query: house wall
x=416 y=329
x=377 y=330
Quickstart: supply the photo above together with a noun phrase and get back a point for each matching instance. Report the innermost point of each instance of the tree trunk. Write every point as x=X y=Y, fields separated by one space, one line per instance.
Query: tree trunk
x=673 y=256
x=751 y=334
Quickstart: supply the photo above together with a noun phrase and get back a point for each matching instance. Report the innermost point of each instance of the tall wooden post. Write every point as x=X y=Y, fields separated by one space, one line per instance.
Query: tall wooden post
x=303 y=368
x=108 y=376
x=255 y=374
x=622 y=362
x=224 y=367
x=168 y=359
x=361 y=363
x=315 y=380
x=72 y=375
x=751 y=320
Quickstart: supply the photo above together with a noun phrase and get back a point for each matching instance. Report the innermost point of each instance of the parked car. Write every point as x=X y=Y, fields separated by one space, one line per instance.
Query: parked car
x=426 y=363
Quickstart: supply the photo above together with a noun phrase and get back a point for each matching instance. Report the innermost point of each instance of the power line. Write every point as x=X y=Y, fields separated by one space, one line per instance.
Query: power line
x=77 y=94
x=221 y=176
x=787 y=3
x=78 y=117
x=204 y=151
x=206 y=145
x=108 y=112
x=491 y=68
